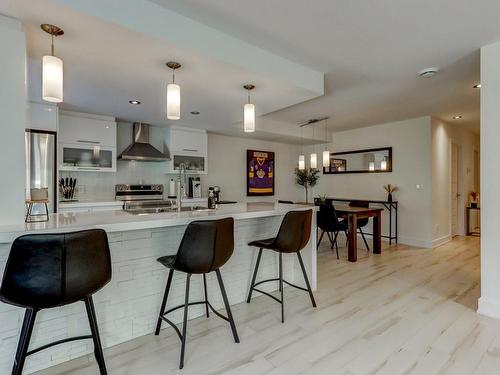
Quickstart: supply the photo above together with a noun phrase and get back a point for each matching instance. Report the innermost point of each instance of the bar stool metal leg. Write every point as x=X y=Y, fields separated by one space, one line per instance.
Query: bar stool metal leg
x=184 y=325
x=24 y=341
x=228 y=308
x=306 y=279
x=254 y=276
x=206 y=294
x=99 y=356
x=281 y=289
x=164 y=302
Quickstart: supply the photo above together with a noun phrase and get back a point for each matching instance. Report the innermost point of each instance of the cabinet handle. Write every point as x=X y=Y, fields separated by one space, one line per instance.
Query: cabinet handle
x=92 y=142
x=189 y=149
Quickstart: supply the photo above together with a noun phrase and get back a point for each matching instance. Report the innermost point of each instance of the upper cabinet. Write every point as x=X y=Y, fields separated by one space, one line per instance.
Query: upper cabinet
x=86 y=142
x=42 y=116
x=189 y=148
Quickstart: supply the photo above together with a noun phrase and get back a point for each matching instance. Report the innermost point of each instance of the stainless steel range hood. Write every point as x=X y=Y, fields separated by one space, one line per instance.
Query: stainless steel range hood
x=141 y=149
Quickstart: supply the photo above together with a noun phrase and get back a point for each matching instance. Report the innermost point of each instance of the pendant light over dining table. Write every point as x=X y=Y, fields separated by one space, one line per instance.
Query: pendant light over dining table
x=249 y=112
x=52 y=69
x=326 y=153
x=173 y=94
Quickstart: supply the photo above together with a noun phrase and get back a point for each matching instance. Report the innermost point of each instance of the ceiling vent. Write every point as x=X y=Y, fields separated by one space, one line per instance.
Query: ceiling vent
x=428 y=73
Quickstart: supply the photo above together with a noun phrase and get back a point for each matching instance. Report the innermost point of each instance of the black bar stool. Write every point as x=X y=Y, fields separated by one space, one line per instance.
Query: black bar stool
x=293 y=236
x=205 y=247
x=51 y=270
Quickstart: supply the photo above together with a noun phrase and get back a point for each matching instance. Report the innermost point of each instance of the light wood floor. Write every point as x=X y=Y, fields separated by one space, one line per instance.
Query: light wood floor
x=408 y=311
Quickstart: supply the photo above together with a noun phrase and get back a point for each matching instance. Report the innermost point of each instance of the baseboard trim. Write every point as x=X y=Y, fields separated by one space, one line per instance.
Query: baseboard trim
x=415 y=242
x=440 y=241
x=488 y=308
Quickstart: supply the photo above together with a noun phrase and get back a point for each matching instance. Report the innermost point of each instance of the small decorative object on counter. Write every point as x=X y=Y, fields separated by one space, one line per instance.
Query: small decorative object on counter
x=211 y=199
x=474 y=199
x=307 y=178
x=390 y=189
x=171 y=189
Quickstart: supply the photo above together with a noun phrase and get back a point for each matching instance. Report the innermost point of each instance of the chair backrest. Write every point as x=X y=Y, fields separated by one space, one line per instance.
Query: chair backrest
x=48 y=270
x=206 y=246
x=294 y=232
x=364 y=204
x=327 y=218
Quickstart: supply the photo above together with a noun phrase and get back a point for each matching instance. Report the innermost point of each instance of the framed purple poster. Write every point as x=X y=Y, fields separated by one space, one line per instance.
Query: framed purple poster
x=260 y=173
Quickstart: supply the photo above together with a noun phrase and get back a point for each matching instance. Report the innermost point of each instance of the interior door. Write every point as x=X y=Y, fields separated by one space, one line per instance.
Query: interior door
x=455 y=194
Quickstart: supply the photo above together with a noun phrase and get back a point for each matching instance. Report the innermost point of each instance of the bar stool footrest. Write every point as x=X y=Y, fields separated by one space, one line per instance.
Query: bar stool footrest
x=33 y=351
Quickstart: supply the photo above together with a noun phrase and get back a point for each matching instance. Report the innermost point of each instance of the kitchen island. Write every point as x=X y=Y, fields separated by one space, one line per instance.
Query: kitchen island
x=128 y=306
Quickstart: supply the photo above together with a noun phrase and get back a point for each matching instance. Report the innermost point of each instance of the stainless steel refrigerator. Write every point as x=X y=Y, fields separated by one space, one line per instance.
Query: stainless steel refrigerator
x=41 y=165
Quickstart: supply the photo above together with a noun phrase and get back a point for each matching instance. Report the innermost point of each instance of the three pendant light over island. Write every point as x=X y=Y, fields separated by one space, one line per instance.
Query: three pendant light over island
x=52 y=69
x=173 y=94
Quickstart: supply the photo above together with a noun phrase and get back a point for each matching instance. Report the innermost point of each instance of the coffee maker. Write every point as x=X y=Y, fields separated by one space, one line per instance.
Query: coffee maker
x=217 y=194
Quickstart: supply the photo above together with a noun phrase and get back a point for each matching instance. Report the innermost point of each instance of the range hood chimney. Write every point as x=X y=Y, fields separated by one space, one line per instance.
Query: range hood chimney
x=141 y=149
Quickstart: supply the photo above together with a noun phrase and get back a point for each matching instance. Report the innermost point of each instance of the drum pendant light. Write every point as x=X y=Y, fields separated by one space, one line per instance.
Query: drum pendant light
x=326 y=153
x=173 y=94
x=249 y=112
x=52 y=69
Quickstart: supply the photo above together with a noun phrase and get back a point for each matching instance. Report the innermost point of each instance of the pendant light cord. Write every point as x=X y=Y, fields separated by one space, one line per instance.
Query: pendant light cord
x=52 y=45
x=173 y=75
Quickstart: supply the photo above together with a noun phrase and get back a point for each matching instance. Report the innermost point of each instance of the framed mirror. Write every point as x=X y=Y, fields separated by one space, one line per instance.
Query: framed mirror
x=373 y=160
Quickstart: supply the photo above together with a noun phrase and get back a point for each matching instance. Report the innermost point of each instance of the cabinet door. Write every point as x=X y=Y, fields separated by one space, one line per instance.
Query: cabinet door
x=87 y=157
x=73 y=129
x=194 y=164
x=188 y=141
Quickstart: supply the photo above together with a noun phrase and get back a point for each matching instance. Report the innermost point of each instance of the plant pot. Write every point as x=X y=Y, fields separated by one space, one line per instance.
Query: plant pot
x=389 y=198
x=473 y=205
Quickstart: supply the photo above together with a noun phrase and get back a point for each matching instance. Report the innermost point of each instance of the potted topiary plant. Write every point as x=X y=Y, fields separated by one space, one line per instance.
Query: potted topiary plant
x=307 y=177
x=390 y=189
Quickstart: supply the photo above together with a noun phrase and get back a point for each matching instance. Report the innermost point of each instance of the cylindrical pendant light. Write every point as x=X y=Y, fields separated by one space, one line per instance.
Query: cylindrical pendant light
x=326 y=153
x=52 y=69
x=173 y=94
x=249 y=112
x=302 y=157
x=314 y=156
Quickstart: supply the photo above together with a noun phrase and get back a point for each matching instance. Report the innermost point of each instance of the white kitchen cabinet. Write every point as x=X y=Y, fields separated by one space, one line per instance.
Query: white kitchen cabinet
x=188 y=141
x=42 y=116
x=86 y=142
x=72 y=207
x=188 y=147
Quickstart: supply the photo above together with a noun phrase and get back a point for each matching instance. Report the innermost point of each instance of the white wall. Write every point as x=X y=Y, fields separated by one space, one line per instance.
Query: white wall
x=443 y=136
x=489 y=303
x=226 y=168
x=13 y=110
x=227 y=161
x=411 y=143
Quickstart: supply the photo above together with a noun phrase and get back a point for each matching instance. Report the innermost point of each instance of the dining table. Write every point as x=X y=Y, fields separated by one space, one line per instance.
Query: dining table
x=352 y=214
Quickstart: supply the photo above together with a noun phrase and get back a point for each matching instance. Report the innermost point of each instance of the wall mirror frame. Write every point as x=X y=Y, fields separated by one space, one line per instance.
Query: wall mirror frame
x=371 y=160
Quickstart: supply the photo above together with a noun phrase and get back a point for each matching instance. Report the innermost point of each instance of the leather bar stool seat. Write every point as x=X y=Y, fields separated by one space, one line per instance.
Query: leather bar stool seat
x=51 y=270
x=205 y=247
x=293 y=236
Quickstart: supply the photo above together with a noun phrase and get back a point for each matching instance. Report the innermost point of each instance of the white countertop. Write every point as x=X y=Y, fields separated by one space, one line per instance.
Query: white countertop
x=112 y=203
x=117 y=221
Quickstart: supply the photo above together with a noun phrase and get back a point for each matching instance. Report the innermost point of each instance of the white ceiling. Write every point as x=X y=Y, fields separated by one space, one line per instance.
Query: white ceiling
x=370 y=51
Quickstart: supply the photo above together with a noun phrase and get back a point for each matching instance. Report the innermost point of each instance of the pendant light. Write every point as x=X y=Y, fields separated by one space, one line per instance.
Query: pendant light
x=326 y=153
x=314 y=156
x=302 y=157
x=249 y=112
x=173 y=94
x=52 y=69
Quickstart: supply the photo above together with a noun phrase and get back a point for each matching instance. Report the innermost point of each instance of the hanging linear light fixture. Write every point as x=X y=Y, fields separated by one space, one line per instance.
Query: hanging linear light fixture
x=326 y=153
x=302 y=157
x=314 y=156
x=249 y=112
x=52 y=69
x=173 y=94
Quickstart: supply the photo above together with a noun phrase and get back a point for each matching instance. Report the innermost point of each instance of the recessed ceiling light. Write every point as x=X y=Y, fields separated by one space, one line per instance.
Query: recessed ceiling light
x=195 y=112
x=428 y=72
x=134 y=102
x=458 y=117
x=478 y=86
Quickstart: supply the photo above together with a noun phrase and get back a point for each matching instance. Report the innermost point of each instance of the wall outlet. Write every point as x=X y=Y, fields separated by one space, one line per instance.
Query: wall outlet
x=419 y=186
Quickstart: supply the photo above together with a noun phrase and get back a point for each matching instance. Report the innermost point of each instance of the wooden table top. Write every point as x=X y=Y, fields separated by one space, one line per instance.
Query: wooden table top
x=357 y=210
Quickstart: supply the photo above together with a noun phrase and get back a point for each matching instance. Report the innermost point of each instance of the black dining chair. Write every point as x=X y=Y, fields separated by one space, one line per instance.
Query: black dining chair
x=205 y=247
x=329 y=223
x=361 y=222
x=52 y=270
x=293 y=236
